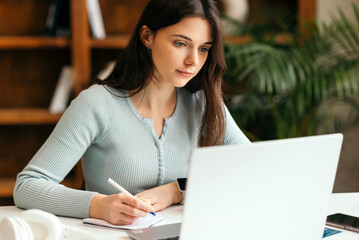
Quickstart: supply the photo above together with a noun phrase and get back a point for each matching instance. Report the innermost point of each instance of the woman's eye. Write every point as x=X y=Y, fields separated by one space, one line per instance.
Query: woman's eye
x=204 y=49
x=180 y=44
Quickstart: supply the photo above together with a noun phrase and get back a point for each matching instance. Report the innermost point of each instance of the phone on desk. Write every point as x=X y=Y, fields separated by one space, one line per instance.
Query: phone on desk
x=343 y=221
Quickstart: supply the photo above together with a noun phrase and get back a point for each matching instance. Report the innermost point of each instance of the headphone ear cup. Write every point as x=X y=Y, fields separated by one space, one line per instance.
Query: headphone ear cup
x=15 y=228
x=24 y=228
x=44 y=225
x=8 y=229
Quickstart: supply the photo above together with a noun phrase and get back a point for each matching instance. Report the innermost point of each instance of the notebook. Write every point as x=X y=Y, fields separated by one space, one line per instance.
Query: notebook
x=145 y=222
x=273 y=190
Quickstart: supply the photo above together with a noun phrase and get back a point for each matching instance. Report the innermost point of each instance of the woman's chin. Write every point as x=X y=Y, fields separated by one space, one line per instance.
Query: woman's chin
x=180 y=83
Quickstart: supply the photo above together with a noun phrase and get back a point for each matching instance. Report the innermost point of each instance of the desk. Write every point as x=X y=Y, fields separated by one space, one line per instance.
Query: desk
x=172 y=215
x=347 y=203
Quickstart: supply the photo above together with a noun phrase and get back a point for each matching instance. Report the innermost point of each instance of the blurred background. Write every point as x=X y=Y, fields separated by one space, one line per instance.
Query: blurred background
x=292 y=71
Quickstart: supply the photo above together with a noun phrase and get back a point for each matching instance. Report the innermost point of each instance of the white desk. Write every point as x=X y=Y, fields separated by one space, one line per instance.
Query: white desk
x=171 y=215
x=341 y=202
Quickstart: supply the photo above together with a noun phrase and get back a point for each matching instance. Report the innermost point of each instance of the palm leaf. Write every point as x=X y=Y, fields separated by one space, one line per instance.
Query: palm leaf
x=287 y=84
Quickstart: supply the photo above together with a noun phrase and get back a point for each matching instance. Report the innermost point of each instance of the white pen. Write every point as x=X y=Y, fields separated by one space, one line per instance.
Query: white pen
x=121 y=189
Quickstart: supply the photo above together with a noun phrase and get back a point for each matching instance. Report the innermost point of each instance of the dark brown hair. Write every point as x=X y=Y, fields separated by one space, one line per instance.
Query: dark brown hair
x=135 y=67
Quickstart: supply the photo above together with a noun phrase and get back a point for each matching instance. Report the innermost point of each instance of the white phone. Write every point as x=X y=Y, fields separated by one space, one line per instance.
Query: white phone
x=35 y=224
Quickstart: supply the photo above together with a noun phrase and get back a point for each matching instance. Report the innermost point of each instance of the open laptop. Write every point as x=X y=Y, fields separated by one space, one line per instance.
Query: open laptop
x=271 y=190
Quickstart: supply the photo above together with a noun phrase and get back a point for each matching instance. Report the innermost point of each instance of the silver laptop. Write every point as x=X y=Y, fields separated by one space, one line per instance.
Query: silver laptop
x=272 y=190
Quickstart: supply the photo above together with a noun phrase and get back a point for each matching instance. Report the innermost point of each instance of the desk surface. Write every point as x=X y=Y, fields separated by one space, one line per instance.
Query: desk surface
x=347 y=203
x=171 y=215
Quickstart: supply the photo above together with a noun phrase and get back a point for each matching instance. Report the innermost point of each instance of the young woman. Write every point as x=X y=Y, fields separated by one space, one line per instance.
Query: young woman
x=138 y=125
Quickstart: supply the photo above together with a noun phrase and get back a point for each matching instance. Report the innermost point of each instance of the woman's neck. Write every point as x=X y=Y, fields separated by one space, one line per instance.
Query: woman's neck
x=156 y=100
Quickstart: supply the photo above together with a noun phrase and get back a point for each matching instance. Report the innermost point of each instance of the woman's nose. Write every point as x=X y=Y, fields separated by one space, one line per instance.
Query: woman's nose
x=192 y=58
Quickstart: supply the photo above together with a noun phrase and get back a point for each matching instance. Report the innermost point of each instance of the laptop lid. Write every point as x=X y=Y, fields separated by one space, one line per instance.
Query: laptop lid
x=273 y=190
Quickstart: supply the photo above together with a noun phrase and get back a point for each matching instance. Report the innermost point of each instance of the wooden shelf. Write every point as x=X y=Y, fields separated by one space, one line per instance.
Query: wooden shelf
x=17 y=116
x=116 y=41
x=16 y=42
x=279 y=38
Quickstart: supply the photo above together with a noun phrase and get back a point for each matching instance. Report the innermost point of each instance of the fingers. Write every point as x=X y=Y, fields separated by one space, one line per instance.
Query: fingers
x=137 y=203
x=119 y=208
x=127 y=209
x=124 y=219
x=156 y=205
x=132 y=211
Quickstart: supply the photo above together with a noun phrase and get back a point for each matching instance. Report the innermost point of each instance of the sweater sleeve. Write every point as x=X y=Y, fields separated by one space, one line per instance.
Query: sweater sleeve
x=37 y=186
x=233 y=134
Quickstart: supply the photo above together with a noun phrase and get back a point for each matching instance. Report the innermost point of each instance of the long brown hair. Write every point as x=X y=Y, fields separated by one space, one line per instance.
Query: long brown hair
x=135 y=67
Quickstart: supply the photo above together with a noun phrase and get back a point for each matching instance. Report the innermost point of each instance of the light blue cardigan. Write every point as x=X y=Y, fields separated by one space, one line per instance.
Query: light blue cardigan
x=115 y=141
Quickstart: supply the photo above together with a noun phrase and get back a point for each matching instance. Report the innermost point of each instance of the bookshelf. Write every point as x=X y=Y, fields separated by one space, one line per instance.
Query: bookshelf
x=30 y=64
x=28 y=42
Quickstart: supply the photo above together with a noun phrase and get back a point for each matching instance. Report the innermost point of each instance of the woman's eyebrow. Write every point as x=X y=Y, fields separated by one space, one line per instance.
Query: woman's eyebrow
x=187 y=38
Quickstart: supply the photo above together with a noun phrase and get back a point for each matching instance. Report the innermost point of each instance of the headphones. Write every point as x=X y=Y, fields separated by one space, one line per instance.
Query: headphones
x=35 y=224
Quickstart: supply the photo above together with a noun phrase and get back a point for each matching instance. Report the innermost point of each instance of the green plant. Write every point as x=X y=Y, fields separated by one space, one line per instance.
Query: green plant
x=280 y=90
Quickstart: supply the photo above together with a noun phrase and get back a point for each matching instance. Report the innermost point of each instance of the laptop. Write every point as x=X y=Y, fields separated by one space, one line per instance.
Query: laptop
x=272 y=190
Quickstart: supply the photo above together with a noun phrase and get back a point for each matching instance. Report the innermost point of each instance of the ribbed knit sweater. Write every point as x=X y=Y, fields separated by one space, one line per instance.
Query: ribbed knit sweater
x=114 y=141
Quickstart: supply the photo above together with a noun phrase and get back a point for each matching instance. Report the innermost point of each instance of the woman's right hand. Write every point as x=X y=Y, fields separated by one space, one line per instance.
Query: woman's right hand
x=119 y=209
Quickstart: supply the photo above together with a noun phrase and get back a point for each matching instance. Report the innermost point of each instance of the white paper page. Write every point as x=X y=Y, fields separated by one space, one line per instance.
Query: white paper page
x=145 y=222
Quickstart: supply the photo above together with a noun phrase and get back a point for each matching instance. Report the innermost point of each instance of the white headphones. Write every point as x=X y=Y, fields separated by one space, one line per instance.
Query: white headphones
x=36 y=224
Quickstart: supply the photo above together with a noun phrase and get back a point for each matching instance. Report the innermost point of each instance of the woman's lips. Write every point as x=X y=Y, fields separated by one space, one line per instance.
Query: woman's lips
x=184 y=73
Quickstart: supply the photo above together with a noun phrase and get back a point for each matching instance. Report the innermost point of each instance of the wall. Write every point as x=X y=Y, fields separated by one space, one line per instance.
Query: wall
x=326 y=8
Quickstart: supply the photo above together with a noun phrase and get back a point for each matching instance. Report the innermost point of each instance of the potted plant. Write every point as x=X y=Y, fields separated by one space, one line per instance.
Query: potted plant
x=280 y=89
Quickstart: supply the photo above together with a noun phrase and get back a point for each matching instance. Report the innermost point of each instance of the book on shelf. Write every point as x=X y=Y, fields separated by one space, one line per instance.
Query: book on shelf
x=58 y=18
x=63 y=28
x=95 y=19
x=53 y=16
x=62 y=94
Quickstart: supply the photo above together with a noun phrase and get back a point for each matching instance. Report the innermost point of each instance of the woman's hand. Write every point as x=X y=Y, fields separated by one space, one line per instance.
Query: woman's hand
x=162 y=196
x=119 y=209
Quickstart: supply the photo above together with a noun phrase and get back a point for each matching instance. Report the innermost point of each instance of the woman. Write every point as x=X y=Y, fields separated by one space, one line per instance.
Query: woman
x=138 y=126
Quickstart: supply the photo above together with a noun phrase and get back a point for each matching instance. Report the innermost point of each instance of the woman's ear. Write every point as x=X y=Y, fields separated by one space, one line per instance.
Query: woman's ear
x=146 y=36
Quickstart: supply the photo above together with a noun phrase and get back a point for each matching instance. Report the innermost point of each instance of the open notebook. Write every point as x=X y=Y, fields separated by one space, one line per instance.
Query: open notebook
x=145 y=222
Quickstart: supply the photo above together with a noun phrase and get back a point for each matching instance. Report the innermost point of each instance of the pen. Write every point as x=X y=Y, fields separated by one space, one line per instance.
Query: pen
x=121 y=189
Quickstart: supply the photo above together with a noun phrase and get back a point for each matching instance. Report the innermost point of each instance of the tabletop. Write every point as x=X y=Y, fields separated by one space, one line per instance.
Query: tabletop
x=347 y=203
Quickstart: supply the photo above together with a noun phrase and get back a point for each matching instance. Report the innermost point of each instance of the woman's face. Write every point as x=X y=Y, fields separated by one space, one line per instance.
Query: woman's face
x=179 y=51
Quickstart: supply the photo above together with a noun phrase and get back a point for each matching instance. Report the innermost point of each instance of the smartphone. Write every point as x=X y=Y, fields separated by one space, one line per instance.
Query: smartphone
x=344 y=221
